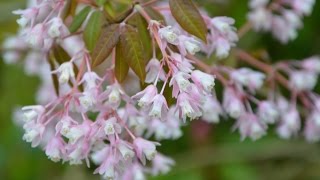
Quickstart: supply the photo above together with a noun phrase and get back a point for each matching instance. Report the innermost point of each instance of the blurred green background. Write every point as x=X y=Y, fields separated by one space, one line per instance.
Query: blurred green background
x=215 y=152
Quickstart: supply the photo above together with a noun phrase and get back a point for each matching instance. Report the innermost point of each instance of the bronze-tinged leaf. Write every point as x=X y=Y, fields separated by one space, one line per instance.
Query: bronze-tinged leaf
x=106 y=42
x=79 y=19
x=60 y=55
x=141 y=25
x=93 y=29
x=54 y=77
x=121 y=67
x=155 y=15
x=133 y=51
x=189 y=18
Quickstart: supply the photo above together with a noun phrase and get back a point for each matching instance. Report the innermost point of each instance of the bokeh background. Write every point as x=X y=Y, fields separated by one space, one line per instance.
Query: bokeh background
x=205 y=152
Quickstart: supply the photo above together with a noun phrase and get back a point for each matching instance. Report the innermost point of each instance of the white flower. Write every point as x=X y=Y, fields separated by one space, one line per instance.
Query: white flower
x=87 y=101
x=125 y=151
x=249 y=78
x=169 y=34
x=303 y=80
x=211 y=110
x=159 y=107
x=74 y=134
x=31 y=112
x=204 y=80
x=56 y=27
x=111 y=126
x=114 y=96
x=66 y=72
x=261 y=18
x=268 y=112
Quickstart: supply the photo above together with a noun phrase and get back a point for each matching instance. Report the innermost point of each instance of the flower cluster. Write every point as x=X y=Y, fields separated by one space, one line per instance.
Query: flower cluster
x=85 y=114
x=282 y=18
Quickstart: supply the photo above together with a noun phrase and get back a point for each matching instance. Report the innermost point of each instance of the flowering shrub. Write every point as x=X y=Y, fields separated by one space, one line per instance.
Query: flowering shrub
x=116 y=75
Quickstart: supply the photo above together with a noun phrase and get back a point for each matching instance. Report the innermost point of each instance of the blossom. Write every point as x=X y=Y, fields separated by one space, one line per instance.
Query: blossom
x=303 y=80
x=232 y=104
x=145 y=149
x=170 y=34
x=33 y=133
x=211 y=110
x=159 y=107
x=290 y=123
x=153 y=69
x=146 y=96
x=222 y=36
x=180 y=82
x=55 y=149
x=66 y=72
x=188 y=45
x=57 y=28
x=267 y=112
x=111 y=126
x=248 y=78
x=27 y=15
x=249 y=126
x=311 y=64
x=203 y=80
x=161 y=164
x=90 y=79
x=33 y=112
x=126 y=150
x=188 y=107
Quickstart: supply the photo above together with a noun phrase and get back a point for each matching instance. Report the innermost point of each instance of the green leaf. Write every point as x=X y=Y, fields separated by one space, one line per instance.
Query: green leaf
x=106 y=42
x=79 y=19
x=155 y=15
x=121 y=67
x=93 y=29
x=189 y=18
x=60 y=54
x=134 y=51
x=101 y=2
x=140 y=23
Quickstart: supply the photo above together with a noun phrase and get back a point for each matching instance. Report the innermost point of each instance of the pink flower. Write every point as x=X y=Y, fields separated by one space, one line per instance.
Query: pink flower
x=33 y=113
x=311 y=64
x=159 y=107
x=161 y=164
x=27 y=15
x=145 y=149
x=211 y=110
x=55 y=149
x=169 y=34
x=188 y=107
x=90 y=79
x=188 y=45
x=290 y=123
x=232 y=103
x=203 y=81
x=248 y=78
x=153 y=69
x=111 y=126
x=37 y=35
x=57 y=28
x=222 y=36
x=249 y=126
x=146 y=96
x=33 y=133
x=268 y=112
x=180 y=82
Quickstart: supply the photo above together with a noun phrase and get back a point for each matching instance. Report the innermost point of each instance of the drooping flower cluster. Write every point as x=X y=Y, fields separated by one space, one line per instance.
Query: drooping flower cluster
x=282 y=18
x=87 y=114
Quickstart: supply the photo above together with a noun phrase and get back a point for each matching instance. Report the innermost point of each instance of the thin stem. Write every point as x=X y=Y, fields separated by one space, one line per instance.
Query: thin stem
x=149 y=3
x=244 y=29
